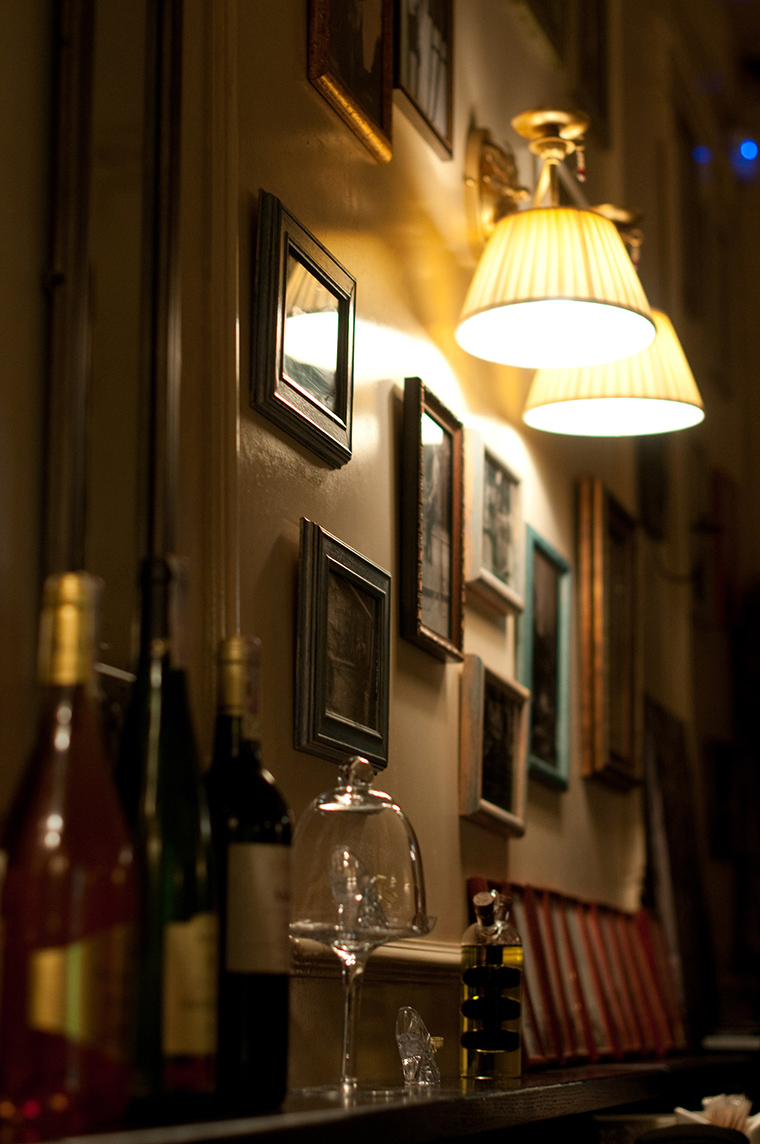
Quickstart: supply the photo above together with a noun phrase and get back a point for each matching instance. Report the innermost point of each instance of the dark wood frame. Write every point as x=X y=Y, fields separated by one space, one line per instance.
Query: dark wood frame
x=284 y=401
x=482 y=583
x=472 y=804
x=442 y=141
x=539 y=767
x=418 y=400
x=375 y=133
x=318 y=730
x=608 y=570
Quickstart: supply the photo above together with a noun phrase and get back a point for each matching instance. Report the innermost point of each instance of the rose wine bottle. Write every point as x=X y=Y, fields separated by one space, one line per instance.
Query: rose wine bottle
x=159 y=778
x=251 y=828
x=68 y=902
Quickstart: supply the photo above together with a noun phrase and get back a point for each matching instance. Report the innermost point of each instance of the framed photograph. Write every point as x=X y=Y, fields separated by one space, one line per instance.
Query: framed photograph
x=343 y=651
x=607 y=564
x=351 y=64
x=432 y=582
x=546 y=659
x=493 y=528
x=302 y=354
x=423 y=68
x=493 y=731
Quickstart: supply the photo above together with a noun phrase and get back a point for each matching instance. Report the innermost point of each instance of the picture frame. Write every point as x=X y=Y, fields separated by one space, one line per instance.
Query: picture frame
x=302 y=380
x=546 y=659
x=493 y=743
x=493 y=528
x=608 y=573
x=423 y=68
x=351 y=65
x=432 y=516
x=342 y=651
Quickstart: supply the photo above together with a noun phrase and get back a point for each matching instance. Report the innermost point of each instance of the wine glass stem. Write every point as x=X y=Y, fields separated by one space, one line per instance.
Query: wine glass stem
x=353 y=972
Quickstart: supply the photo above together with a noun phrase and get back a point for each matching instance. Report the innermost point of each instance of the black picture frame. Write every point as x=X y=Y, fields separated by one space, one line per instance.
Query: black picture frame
x=309 y=391
x=362 y=95
x=342 y=651
x=432 y=523
x=423 y=68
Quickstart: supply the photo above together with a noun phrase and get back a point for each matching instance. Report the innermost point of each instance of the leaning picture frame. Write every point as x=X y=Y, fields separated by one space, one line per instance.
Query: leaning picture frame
x=608 y=577
x=351 y=64
x=546 y=659
x=423 y=68
x=302 y=353
x=493 y=528
x=342 y=651
x=432 y=537
x=493 y=743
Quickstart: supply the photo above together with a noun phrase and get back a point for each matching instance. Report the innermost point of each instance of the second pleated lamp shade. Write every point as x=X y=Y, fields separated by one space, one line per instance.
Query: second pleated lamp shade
x=651 y=392
x=555 y=287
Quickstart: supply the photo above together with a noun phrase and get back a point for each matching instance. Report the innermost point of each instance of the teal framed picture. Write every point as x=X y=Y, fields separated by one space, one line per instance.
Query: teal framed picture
x=546 y=659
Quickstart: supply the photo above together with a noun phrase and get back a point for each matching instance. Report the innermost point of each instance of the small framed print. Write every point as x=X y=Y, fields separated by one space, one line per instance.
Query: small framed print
x=351 y=64
x=423 y=68
x=607 y=565
x=302 y=353
x=343 y=651
x=432 y=541
x=492 y=550
x=493 y=743
x=546 y=659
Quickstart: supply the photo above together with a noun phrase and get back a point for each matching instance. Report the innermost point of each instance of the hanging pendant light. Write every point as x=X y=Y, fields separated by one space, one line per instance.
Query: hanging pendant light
x=555 y=286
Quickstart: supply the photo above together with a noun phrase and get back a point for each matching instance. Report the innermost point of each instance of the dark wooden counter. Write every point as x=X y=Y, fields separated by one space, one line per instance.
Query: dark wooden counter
x=394 y=1116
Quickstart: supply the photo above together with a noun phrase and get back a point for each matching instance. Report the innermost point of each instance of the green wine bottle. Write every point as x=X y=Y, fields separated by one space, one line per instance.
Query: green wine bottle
x=251 y=828
x=159 y=777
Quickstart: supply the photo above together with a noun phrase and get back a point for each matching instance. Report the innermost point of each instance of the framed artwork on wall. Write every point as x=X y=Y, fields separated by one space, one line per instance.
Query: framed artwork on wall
x=432 y=540
x=546 y=659
x=493 y=528
x=492 y=748
x=607 y=567
x=302 y=353
x=342 y=651
x=351 y=64
x=423 y=68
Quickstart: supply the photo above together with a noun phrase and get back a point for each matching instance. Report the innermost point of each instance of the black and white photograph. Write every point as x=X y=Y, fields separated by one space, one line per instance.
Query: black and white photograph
x=493 y=528
x=424 y=67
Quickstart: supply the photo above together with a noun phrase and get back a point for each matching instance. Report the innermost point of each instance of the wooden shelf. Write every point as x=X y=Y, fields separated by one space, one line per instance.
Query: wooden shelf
x=450 y=1112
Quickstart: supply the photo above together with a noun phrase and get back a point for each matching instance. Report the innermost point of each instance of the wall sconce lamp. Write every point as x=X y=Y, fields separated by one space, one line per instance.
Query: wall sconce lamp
x=554 y=286
x=653 y=391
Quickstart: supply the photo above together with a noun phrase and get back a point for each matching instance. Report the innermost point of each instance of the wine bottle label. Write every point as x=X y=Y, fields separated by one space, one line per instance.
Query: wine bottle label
x=258 y=908
x=79 y=990
x=189 y=986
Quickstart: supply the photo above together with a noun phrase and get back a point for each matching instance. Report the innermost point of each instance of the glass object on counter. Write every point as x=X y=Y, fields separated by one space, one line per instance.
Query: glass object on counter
x=251 y=829
x=416 y=1048
x=357 y=883
x=491 y=992
x=69 y=901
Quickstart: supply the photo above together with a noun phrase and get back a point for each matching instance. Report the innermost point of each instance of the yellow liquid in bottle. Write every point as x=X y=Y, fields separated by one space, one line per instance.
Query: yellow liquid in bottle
x=490 y=1012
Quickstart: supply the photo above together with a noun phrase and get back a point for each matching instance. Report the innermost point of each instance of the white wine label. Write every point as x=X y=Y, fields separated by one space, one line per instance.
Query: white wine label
x=79 y=990
x=189 y=992
x=258 y=908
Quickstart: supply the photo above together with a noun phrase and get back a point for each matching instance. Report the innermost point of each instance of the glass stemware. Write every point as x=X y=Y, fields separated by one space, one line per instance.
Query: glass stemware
x=357 y=883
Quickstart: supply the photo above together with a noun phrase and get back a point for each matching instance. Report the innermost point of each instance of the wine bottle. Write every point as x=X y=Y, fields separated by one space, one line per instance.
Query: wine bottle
x=68 y=902
x=491 y=993
x=160 y=782
x=251 y=828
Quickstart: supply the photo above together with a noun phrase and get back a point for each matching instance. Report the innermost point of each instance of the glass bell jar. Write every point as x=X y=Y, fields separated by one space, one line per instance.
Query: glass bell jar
x=357 y=882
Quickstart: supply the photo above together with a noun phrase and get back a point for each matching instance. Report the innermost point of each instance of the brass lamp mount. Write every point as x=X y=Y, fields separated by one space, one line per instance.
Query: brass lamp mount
x=553 y=135
x=491 y=188
x=628 y=223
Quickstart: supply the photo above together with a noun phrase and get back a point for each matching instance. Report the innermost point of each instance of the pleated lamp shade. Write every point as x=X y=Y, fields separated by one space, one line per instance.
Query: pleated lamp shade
x=652 y=392
x=555 y=287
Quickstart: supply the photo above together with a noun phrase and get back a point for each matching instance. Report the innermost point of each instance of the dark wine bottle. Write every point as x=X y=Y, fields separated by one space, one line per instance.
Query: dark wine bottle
x=251 y=828
x=159 y=778
x=68 y=903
